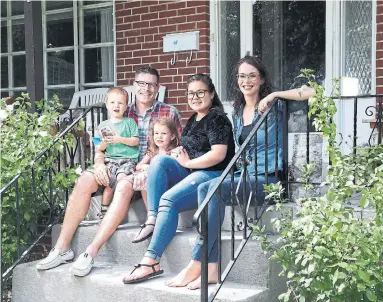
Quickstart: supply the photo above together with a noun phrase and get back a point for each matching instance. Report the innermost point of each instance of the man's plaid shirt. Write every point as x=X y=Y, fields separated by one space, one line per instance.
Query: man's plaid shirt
x=157 y=110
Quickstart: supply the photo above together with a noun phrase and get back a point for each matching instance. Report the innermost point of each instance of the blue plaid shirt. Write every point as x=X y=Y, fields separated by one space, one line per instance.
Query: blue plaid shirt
x=157 y=110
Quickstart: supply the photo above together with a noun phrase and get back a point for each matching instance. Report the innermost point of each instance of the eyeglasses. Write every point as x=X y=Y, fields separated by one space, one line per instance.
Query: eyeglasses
x=251 y=76
x=143 y=84
x=199 y=94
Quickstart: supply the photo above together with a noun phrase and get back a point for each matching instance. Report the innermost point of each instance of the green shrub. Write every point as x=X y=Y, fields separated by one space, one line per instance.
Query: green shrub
x=23 y=136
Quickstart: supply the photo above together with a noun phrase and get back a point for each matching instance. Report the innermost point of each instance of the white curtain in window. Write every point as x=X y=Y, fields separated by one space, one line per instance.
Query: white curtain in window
x=107 y=52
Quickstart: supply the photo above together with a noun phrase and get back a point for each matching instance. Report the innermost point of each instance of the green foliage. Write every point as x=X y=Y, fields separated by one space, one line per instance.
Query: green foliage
x=328 y=252
x=23 y=136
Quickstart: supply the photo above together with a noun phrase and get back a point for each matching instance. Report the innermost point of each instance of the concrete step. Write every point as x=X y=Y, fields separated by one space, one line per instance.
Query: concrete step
x=251 y=268
x=104 y=284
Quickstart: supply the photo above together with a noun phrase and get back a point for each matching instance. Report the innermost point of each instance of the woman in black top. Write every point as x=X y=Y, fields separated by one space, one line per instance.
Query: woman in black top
x=208 y=146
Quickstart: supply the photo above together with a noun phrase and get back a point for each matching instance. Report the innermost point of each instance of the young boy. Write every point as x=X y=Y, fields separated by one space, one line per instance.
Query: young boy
x=120 y=140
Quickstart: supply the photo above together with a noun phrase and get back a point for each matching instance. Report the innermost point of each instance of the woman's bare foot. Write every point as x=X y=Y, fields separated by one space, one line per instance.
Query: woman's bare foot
x=143 y=270
x=212 y=277
x=187 y=275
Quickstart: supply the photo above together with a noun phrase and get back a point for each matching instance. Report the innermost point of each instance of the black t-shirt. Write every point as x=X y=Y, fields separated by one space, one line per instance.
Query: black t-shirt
x=213 y=129
x=245 y=133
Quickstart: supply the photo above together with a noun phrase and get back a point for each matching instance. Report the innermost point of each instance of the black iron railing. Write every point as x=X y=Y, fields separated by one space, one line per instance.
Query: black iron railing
x=76 y=149
x=200 y=220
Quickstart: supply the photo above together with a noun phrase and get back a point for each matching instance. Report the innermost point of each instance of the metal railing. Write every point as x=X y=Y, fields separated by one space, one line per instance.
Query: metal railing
x=42 y=191
x=200 y=220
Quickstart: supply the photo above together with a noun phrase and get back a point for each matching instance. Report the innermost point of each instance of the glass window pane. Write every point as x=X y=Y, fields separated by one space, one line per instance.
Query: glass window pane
x=358 y=41
x=3 y=8
x=60 y=67
x=4 y=72
x=95 y=2
x=99 y=65
x=98 y=25
x=4 y=94
x=4 y=35
x=16 y=93
x=17 y=7
x=60 y=30
x=18 y=35
x=50 y=5
x=19 y=71
x=64 y=94
x=230 y=52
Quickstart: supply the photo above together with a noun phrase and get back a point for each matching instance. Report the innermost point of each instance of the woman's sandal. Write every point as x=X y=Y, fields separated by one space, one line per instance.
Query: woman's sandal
x=142 y=226
x=154 y=274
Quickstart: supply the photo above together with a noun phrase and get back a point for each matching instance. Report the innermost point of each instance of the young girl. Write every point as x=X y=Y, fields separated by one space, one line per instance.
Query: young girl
x=163 y=139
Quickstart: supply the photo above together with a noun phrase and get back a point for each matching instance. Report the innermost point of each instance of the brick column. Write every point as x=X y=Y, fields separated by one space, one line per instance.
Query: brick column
x=140 y=27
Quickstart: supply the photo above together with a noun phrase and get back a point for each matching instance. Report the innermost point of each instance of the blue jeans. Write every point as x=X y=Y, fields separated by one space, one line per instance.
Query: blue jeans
x=172 y=189
x=226 y=200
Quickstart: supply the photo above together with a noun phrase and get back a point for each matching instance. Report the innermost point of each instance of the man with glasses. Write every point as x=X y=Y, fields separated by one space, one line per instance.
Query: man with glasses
x=144 y=110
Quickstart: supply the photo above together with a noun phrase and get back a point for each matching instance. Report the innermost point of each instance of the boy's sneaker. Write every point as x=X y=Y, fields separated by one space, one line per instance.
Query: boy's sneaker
x=82 y=266
x=103 y=211
x=54 y=259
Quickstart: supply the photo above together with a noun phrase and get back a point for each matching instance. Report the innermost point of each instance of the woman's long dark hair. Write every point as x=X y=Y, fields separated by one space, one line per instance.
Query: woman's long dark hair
x=265 y=89
x=204 y=78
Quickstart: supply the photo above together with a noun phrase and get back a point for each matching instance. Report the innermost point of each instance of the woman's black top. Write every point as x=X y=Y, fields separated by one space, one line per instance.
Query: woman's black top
x=245 y=133
x=213 y=129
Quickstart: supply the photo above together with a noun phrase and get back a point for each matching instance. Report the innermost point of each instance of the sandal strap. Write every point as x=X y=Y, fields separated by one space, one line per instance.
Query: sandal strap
x=146 y=224
x=146 y=265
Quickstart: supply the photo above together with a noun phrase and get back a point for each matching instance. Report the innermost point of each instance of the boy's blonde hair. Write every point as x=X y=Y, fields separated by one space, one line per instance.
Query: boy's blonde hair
x=117 y=90
x=171 y=124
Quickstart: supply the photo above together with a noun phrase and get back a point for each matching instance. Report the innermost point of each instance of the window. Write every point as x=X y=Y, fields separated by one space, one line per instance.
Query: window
x=78 y=43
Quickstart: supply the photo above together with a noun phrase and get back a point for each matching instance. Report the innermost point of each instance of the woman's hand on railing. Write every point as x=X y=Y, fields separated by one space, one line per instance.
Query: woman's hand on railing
x=102 y=174
x=265 y=103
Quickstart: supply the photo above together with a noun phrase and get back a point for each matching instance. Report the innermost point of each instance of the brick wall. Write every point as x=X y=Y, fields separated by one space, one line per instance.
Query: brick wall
x=140 y=27
x=379 y=47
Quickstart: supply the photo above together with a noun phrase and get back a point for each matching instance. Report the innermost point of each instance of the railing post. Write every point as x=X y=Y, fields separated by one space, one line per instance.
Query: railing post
x=204 y=262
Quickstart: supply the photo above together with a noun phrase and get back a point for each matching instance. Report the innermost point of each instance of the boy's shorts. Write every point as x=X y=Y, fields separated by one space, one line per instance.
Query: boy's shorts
x=117 y=166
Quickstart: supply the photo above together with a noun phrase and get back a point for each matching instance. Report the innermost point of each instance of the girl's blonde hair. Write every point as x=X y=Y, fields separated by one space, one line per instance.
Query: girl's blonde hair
x=172 y=126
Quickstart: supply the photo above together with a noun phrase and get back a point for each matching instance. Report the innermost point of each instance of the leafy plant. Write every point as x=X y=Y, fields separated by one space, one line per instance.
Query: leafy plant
x=41 y=186
x=328 y=252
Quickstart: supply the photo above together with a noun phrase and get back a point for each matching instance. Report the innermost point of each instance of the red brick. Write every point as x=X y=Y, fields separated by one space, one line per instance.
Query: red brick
x=166 y=79
x=204 y=46
x=132 y=46
x=150 y=16
x=171 y=101
x=169 y=71
x=379 y=55
x=202 y=24
x=132 y=4
x=141 y=53
x=379 y=45
x=197 y=3
x=186 y=11
x=187 y=70
x=131 y=19
x=176 y=5
x=172 y=86
x=203 y=9
x=159 y=66
x=181 y=107
x=168 y=29
x=379 y=90
x=195 y=18
x=149 y=3
x=140 y=10
x=204 y=32
x=156 y=51
x=379 y=19
x=141 y=24
x=379 y=63
x=166 y=57
x=119 y=34
x=175 y=93
x=182 y=86
x=150 y=45
x=159 y=22
x=125 y=26
x=204 y=69
x=132 y=40
x=140 y=39
x=379 y=72
x=135 y=60
x=120 y=20
x=203 y=55
x=120 y=48
x=379 y=10
x=149 y=38
x=379 y=28
x=379 y=37
x=120 y=76
x=167 y=14
x=119 y=6
x=158 y=8
x=125 y=54
x=124 y=82
x=123 y=13
x=149 y=31
x=121 y=41
x=147 y=60
x=177 y=79
x=186 y=26
x=132 y=33
x=177 y=20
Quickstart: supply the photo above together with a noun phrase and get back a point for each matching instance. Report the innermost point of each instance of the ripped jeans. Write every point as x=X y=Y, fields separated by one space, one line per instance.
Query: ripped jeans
x=172 y=189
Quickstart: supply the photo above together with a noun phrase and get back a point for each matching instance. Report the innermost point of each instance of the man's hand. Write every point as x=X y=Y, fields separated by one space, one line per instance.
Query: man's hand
x=102 y=174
